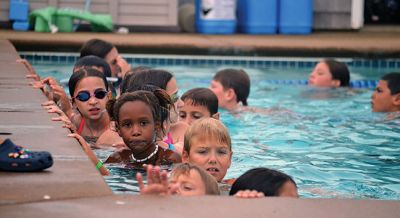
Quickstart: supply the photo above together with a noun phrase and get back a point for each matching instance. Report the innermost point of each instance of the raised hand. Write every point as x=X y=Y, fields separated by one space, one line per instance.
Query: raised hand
x=157 y=182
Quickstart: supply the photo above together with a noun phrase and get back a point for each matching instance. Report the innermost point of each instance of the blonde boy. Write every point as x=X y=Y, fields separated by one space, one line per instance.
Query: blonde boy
x=207 y=144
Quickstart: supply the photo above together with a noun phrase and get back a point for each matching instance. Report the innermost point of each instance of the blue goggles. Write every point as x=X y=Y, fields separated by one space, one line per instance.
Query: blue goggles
x=85 y=95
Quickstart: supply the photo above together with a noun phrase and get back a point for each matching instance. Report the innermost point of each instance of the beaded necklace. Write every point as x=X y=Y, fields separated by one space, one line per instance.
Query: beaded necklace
x=146 y=158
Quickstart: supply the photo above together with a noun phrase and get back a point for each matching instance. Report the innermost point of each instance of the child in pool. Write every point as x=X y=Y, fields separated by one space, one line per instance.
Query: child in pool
x=90 y=61
x=198 y=103
x=260 y=182
x=157 y=77
x=109 y=137
x=57 y=93
x=208 y=145
x=89 y=93
x=106 y=139
x=107 y=51
x=124 y=83
x=174 y=131
x=137 y=116
x=185 y=179
x=231 y=87
x=386 y=97
x=73 y=118
x=165 y=142
x=329 y=73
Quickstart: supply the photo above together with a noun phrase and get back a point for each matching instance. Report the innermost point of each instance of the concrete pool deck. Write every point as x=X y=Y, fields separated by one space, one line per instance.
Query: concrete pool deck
x=371 y=42
x=72 y=187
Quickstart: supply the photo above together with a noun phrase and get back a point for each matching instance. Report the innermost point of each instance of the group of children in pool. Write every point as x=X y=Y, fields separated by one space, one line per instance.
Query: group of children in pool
x=331 y=73
x=148 y=124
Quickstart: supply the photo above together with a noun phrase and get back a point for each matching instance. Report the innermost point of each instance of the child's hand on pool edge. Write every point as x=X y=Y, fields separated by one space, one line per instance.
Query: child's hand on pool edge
x=31 y=71
x=249 y=194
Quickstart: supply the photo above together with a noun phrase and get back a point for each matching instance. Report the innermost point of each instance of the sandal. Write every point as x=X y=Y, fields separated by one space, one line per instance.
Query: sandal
x=18 y=159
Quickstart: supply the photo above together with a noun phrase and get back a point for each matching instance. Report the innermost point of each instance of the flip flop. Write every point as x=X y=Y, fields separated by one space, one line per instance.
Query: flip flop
x=18 y=159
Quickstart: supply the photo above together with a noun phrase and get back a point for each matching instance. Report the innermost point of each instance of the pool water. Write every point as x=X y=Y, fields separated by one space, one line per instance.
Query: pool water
x=329 y=141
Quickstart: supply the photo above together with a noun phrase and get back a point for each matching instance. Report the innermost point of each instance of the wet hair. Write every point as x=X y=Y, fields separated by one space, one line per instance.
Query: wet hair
x=96 y=47
x=209 y=181
x=238 y=80
x=83 y=73
x=393 y=80
x=339 y=71
x=267 y=181
x=93 y=61
x=152 y=88
x=159 y=78
x=207 y=128
x=129 y=75
x=156 y=100
x=202 y=97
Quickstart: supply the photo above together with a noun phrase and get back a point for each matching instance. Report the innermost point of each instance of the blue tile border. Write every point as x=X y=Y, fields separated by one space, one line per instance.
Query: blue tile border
x=210 y=61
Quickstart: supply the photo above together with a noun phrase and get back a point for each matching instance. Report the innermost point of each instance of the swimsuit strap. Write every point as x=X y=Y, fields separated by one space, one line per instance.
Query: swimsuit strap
x=81 y=126
x=169 y=139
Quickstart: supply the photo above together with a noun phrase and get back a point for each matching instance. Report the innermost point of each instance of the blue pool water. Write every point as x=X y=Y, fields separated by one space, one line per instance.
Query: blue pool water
x=329 y=141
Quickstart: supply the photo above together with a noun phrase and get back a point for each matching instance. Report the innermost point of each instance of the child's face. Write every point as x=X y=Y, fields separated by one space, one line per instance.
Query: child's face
x=112 y=59
x=189 y=112
x=382 y=100
x=220 y=92
x=136 y=127
x=189 y=185
x=172 y=90
x=93 y=107
x=209 y=154
x=322 y=77
x=288 y=189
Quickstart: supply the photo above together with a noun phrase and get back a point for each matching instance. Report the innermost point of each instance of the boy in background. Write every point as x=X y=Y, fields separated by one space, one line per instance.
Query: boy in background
x=386 y=97
x=198 y=103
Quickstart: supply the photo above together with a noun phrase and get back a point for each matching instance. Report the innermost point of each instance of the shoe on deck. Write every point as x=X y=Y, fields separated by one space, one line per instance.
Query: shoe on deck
x=15 y=158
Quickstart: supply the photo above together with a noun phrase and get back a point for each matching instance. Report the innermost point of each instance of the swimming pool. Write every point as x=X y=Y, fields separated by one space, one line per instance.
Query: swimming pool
x=333 y=147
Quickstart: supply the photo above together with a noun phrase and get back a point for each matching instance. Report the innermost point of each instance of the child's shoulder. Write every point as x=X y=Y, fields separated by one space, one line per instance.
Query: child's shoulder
x=108 y=138
x=77 y=119
x=120 y=155
x=168 y=157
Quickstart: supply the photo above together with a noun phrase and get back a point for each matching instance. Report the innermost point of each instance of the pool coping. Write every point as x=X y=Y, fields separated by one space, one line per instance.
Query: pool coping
x=206 y=206
x=317 y=44
x=73 y=187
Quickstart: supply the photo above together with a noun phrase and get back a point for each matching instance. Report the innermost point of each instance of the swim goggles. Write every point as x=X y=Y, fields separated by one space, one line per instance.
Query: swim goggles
x=85 y=95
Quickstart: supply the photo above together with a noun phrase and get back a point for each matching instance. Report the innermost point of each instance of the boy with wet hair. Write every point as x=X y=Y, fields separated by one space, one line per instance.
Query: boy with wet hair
x=231 y=86
x=386 y=97
x=198 y=103
x=207 y=144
